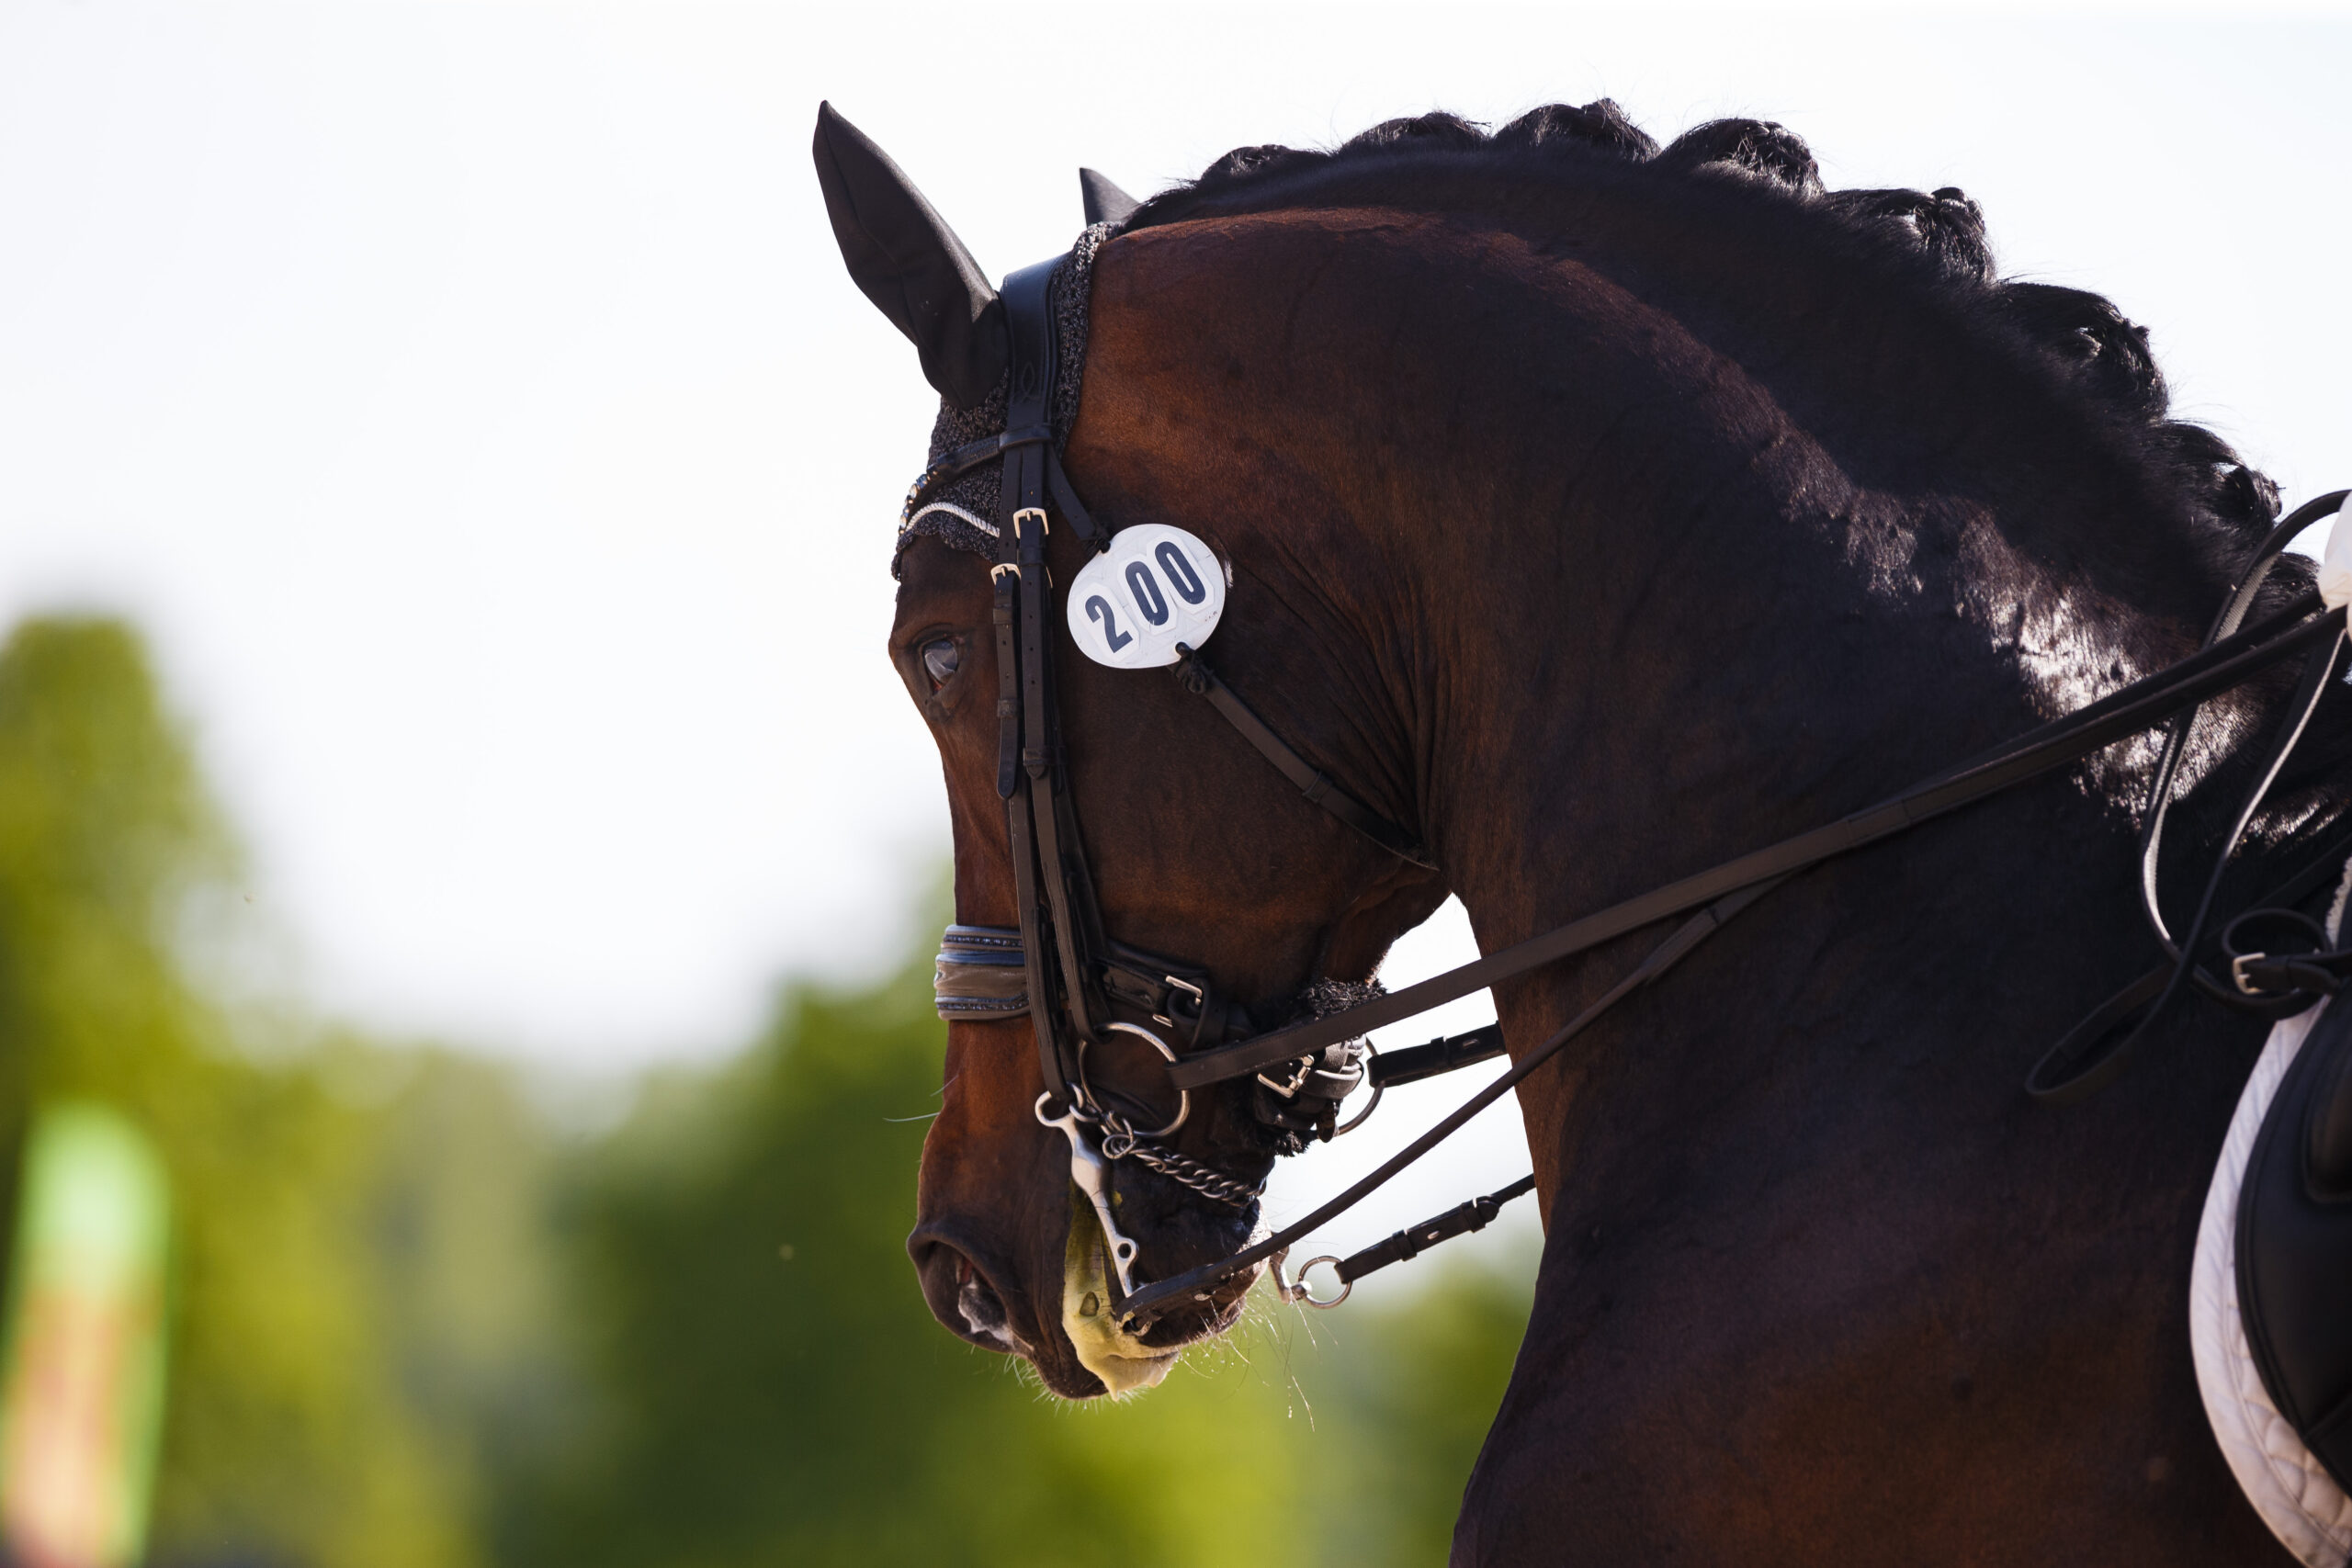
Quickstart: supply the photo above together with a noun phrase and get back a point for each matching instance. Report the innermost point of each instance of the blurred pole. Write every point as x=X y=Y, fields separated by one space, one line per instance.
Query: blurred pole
x=82 y=1365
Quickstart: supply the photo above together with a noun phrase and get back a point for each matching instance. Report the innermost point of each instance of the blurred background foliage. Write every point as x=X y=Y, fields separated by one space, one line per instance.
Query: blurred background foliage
x=420 y=1321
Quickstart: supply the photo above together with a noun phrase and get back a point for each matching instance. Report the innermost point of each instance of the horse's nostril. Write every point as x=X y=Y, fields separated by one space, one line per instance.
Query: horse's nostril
x=962 y=1297
x=983 y=1309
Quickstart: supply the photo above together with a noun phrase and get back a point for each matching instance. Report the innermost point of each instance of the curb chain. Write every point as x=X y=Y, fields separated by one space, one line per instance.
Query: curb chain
x=1120 y=1142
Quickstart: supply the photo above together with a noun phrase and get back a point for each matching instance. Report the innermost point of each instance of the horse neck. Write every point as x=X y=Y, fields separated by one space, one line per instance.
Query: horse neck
x=1601 y=597
x=1641 y=690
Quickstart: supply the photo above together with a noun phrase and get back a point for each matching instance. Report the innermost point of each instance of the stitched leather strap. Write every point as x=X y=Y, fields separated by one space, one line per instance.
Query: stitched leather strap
x=1413 y=1240
x=1193 y=673
x=1444 y=1054
x=1023 y=668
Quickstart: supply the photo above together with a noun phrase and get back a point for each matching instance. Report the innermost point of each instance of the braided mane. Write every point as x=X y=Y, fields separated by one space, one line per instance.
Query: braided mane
x=2088 y=342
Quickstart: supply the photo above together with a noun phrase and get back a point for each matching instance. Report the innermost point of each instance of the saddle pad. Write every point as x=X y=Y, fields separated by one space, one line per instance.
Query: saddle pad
x=2295 y=1495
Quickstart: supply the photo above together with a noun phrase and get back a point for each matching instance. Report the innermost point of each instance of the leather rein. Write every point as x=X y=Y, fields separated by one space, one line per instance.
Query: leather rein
x=1079 y=988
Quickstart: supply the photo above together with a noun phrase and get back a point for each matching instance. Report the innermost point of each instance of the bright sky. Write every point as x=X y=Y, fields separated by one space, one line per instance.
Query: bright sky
x=470 y=402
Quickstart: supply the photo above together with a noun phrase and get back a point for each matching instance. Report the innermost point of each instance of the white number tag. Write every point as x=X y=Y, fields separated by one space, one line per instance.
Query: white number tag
x=1154 y=587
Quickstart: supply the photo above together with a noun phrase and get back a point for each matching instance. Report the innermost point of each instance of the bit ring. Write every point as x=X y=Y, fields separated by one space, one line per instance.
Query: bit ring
x=1298 y=1292
x=1371 y=1054
x=1168 y=1051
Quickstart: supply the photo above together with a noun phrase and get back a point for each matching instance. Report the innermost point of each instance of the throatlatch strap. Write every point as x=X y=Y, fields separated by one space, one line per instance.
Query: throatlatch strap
x=1194 y=675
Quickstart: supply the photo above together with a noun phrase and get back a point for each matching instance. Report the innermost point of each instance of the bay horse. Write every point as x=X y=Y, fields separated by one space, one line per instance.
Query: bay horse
x=1597 y=510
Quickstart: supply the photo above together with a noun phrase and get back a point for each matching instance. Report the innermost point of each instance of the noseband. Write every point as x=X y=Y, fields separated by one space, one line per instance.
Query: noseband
x=1079 y=990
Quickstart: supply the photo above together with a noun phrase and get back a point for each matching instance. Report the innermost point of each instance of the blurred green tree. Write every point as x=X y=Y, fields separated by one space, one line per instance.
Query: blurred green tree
x=286 y=1439
x=417 y=1327
x=771 y=1390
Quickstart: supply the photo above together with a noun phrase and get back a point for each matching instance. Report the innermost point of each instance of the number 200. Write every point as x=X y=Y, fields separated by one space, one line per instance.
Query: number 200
x=1144 y=589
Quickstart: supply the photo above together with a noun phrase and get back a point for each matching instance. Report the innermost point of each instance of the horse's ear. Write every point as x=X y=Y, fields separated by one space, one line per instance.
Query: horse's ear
x=911 y=263
x=1105 y=203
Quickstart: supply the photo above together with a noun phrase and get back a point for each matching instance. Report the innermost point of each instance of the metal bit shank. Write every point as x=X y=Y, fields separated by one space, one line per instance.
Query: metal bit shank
x=1092 y=1173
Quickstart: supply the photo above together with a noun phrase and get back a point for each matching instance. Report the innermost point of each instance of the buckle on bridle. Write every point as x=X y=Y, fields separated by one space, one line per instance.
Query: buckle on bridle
x=1044 y=525
x=2238 y=975
x=1304 y=1065
x=996 y=572
x=1200 y=1001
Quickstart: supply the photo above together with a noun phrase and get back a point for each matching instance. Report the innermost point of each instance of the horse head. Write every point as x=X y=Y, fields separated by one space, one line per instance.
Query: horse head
x=1197 y=849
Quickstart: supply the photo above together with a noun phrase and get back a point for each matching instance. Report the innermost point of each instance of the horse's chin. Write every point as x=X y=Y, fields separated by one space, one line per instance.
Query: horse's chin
x=1122 y=1362
x=1119 y=1361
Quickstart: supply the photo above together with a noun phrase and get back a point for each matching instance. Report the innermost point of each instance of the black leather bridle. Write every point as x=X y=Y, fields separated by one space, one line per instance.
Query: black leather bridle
x=1078 y=987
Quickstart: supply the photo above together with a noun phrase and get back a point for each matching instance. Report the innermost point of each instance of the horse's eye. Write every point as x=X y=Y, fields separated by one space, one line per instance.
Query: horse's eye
x=939 y=658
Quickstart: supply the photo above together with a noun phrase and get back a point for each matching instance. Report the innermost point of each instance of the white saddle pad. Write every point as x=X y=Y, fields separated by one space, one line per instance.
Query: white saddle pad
x=2293 y=1493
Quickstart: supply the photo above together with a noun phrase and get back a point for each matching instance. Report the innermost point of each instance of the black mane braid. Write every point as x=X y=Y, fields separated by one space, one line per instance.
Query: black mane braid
x=2086 y=340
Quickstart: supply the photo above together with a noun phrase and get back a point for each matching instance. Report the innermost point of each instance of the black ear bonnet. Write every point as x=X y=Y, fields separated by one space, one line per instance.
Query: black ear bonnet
x=905 y=259
x=909 y=263
x=959 y=515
